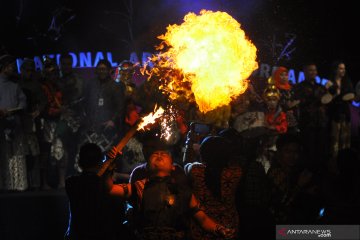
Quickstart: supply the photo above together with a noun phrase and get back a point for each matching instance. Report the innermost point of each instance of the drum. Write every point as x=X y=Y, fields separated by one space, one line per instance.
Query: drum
x=327 y=98
x=328 y=84
x=250 y=124
x=348 y=96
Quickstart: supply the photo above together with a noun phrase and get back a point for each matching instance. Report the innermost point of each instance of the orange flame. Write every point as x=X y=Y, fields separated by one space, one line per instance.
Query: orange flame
x=207 y=59
x=150 y=118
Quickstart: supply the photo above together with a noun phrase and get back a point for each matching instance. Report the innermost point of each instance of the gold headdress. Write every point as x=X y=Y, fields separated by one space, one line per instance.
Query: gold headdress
x=271 y=90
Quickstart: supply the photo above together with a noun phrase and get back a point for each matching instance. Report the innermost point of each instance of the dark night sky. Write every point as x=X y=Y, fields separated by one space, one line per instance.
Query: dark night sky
x=324 y=30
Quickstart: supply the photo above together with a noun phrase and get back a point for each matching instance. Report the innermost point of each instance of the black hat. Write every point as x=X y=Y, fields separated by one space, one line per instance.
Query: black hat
x=152 y=142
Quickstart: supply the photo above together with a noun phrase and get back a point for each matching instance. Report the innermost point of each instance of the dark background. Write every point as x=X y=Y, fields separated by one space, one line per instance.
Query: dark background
x=324 y=30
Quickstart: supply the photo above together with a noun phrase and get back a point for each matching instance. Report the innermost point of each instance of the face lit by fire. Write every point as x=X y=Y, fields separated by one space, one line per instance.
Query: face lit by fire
x=161 y=162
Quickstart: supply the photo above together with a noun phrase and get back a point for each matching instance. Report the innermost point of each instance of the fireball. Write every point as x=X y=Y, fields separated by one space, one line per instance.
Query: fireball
x=207 y=58
x=151 y=118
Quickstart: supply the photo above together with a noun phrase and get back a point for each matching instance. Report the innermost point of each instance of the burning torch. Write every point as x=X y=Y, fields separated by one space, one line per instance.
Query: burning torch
x=145 y=121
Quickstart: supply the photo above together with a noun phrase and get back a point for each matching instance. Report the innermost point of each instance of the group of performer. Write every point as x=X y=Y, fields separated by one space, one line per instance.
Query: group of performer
x=46 y=115
x=57 y=120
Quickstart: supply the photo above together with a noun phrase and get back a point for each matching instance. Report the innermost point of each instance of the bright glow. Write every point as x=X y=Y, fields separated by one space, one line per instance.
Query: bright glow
x=150 y=118
x=166 y=124
x=211 y=58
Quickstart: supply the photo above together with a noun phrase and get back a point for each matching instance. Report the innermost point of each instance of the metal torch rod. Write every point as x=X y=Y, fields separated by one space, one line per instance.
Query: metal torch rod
x=118 y=147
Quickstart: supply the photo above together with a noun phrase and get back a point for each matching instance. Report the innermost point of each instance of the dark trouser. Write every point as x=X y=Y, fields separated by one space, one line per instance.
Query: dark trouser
x=33 y=160
x=33 y=171
x=70 y=142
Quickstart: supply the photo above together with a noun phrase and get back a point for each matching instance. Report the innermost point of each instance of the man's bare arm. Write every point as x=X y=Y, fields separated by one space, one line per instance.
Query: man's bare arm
x=121 y=190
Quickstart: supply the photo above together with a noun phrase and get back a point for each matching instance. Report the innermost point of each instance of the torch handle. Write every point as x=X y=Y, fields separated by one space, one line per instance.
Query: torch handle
x=118 y=148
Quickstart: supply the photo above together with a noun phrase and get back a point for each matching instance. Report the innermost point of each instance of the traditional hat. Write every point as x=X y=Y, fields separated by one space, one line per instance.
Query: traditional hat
x=271 y=90
x=152 y=142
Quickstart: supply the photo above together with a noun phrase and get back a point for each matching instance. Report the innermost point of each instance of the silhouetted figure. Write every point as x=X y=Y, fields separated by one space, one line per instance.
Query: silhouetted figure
x=313 y=120
x=94 y=213
x=214 y=183
x=339 y=85
x=293 y=192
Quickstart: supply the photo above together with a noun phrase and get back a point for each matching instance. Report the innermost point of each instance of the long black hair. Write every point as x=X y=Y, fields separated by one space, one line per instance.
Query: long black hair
x=215 y=153
x=345 y=81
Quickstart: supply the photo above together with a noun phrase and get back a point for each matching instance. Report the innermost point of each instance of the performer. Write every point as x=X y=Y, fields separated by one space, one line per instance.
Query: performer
x=94 y=214
x=104 y=100
x=287 y=101
x=162 y=204
x=312 y=118
x=339 y=110
x=12 y=155
x=132 y=155
x=72 y=115
x=36 y=102
x=50 y=145
x=275 y=118
x=214 y=182
x=104 y=103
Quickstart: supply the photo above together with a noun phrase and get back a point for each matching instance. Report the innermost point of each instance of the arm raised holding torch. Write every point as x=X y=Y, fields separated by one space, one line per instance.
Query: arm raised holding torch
x=145 y=121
